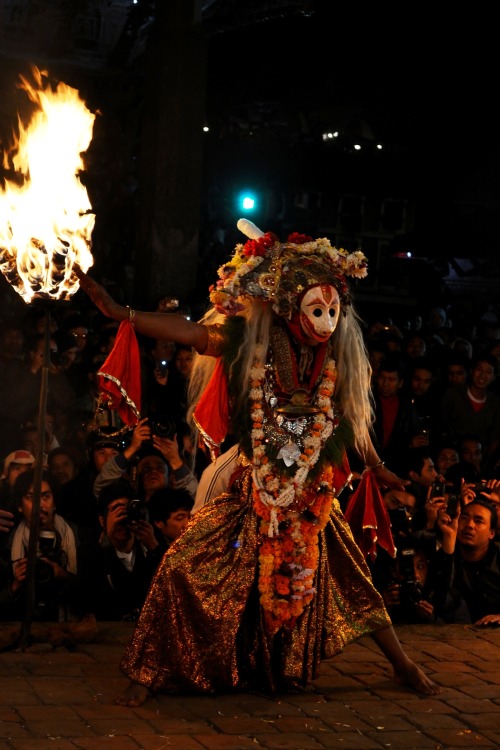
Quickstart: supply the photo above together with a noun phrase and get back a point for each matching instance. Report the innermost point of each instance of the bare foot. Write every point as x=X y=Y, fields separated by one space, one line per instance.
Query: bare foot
x=409 y=675
x=134 y=695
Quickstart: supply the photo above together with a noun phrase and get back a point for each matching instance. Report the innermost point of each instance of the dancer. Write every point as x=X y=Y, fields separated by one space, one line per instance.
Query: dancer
x=267 y=580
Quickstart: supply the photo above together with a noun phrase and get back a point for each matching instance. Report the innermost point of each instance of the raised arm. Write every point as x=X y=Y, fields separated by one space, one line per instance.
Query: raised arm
x=167 y=326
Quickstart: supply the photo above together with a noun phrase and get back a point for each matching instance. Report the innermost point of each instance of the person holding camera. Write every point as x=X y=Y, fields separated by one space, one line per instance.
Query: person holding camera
x=470 y=539
x=417 y=587
x=56 y=563
x=127 y=556
x=150 y=461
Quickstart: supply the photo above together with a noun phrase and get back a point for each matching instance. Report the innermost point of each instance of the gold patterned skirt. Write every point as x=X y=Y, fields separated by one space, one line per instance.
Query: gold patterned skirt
x=202 y=628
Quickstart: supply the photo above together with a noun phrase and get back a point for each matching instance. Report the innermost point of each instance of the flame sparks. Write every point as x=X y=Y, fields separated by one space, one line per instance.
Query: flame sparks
x=46 y=219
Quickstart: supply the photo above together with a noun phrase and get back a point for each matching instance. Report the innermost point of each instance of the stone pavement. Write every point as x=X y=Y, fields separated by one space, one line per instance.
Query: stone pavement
x=61 y=699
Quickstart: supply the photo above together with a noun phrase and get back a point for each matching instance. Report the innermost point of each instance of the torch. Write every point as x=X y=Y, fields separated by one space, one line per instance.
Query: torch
x=46 y=224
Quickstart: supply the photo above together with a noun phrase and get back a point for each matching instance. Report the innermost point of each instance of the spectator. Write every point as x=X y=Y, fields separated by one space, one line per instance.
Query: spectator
x=473 y=408
x=477 y=559
x=156 y=460
x=125 y=564
x=20 y=397
x=396 y=425
x=376 y=352
x=169 y=512
x=469 y=467
x=456 y=369
x=56 y=566
x=446 y=457
x=423 y=475
x=12 y=345
x=438 y=328
x=216 y=477
x=415 y=347
x=76 y=327
x=416 y=587
x=177 y=384
x=422 y=391
x=62 y=465
x=16 y=463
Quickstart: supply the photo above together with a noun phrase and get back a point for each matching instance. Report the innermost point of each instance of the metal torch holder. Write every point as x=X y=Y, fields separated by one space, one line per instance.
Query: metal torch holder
x=30 y=582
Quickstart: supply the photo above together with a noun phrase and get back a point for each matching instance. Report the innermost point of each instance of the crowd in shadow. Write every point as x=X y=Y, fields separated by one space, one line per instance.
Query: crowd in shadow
x=112 y=500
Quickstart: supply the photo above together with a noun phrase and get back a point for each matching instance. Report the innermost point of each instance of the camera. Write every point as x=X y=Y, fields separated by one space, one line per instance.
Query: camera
x=480 y=487
x=136 y=511
x=163 y=427
x=46 y=588
x=44 y=573
x=411 y=591
x=46 y=543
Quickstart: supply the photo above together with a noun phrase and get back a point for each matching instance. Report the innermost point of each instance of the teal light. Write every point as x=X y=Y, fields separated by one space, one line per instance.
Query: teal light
x=247 y=201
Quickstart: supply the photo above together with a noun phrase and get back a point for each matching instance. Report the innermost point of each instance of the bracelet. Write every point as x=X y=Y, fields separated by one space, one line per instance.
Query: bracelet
x=375 y=466
x=131 y=316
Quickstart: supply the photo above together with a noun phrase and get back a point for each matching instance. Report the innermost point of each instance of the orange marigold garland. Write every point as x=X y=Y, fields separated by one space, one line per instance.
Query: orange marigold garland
x=293 y=510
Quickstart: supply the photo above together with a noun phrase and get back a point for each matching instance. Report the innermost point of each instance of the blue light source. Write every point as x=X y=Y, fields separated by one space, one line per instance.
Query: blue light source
x=247 y=201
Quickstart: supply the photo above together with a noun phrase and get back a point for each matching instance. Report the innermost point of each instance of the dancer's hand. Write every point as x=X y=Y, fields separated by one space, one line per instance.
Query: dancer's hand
x=387 y=478
x=100 y=297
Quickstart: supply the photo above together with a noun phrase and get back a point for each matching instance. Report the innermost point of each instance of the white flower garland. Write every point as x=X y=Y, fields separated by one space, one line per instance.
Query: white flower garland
x=276 y=492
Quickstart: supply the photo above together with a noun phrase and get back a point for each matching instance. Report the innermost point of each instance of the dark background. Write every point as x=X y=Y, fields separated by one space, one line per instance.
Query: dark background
x=269 y=78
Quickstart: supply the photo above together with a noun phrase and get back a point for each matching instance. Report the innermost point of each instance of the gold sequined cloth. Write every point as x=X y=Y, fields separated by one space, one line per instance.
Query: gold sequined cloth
x=201 y=628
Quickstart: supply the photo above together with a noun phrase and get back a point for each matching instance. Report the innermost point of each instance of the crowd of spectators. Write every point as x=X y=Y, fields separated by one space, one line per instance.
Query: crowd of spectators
x=437 y=424
x=112 y=502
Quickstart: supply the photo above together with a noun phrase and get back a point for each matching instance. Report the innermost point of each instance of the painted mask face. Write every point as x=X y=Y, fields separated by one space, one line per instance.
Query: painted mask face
x=319 y=312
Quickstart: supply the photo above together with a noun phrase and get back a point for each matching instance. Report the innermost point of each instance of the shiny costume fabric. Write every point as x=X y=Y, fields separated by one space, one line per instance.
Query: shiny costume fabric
x=201 y=628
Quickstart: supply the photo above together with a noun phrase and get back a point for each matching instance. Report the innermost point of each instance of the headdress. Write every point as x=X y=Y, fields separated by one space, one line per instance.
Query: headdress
x=265 y=268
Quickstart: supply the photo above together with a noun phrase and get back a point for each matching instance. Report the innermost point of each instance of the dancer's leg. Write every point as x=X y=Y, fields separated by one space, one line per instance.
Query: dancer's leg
x=406 y=672
x=134 y=695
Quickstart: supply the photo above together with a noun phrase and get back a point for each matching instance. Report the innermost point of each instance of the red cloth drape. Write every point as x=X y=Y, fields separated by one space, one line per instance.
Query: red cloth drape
x=212 y=411
x=119 y=378
x=368 y=518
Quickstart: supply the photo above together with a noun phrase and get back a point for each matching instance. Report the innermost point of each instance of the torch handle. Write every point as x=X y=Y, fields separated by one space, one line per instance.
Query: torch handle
x=30 y=583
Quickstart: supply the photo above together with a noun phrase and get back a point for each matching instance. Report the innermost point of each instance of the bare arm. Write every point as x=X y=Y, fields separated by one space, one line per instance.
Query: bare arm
x=167 y=326
x=384 y=476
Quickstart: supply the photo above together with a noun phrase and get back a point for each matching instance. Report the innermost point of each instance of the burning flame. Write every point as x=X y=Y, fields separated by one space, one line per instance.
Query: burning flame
x=46 y=219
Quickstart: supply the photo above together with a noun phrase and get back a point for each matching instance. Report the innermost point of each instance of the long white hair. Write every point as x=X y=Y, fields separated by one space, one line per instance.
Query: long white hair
x=352 y=392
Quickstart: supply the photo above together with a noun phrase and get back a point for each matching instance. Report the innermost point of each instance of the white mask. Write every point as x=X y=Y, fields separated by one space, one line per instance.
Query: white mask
x=319 y=312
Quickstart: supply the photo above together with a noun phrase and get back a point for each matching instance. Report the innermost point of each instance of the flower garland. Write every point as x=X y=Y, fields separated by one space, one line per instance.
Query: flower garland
x=247 y=257
x=226 y=293
x=292 y=511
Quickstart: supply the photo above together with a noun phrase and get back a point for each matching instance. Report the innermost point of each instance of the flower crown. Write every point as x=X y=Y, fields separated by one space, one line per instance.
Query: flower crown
x=279 y=272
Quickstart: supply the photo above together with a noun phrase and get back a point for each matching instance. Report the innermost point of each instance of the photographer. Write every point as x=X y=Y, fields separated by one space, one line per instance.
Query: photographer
x=126 y=558
x=470 y=539
x=157 y=442
x=56 y=566
x=418 y=587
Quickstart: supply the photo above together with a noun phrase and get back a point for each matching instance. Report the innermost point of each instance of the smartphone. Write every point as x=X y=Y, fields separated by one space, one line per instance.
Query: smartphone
x=453 y=505
x=162 y=366
x=438 y=489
